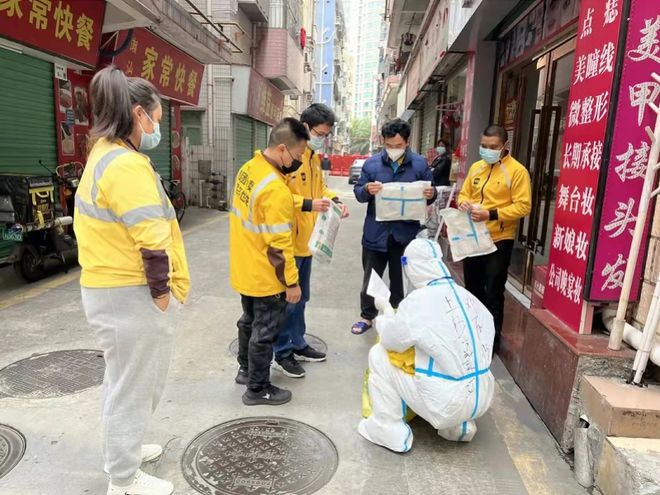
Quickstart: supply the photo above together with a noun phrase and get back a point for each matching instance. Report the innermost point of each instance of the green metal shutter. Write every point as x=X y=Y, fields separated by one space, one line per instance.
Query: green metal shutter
x=27 y=119
x=27 y=114
x=243 y=141
x=161 y=156
x=261 y=135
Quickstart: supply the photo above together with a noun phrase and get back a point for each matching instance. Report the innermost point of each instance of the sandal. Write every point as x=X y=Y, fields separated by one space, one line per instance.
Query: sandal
x=360 y=327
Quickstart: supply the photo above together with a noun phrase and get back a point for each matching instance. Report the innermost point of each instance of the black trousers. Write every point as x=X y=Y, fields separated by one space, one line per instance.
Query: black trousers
x=258 y=328
x=485 y=277
x=378 y=261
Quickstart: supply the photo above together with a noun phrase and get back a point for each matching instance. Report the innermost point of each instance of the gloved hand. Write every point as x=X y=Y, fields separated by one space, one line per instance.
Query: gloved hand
x=383 y=305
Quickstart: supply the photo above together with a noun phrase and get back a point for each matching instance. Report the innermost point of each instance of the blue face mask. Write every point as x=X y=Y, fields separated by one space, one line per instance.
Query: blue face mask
x=490 y=156
x=316 y=142
x=149 y=141
x=441 y=150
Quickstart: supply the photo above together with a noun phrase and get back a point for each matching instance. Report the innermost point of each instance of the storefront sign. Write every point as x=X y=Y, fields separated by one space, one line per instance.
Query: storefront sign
x=175 y=74
x=546 y=19
x=629 y=154
x=70 y=29
x=265 y=101
x=586 y=124
x=434 y=44
x=72 y=117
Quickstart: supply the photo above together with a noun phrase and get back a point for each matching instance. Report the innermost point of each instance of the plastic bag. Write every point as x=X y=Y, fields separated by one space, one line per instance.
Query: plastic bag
x=433 y=214
x=322 y=242
x=399 y=201
x=466 y=238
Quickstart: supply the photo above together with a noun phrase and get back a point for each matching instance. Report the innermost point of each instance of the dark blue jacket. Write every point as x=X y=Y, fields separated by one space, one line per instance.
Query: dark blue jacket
x=378 y=168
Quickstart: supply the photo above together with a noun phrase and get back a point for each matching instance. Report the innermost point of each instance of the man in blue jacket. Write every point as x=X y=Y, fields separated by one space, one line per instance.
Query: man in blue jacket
x=383 y=243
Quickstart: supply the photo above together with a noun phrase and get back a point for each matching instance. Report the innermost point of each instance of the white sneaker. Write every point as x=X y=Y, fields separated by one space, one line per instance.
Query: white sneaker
x=150 y=452
x=143 y=484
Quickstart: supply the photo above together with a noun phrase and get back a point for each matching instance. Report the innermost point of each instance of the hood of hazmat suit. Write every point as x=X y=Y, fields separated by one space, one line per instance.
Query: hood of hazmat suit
x=452 y=333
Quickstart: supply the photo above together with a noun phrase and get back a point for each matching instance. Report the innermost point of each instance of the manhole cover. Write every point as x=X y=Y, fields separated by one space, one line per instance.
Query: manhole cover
x=312 y=340
x=12 y=448
x=260 y=456
x=53 y=374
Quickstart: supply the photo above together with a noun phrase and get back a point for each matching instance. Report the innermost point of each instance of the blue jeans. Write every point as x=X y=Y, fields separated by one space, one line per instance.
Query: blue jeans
x=292 y=335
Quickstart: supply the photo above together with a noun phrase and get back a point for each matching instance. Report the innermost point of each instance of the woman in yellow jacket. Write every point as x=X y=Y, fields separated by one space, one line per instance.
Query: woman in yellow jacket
x=134 y=271
x=497 y=191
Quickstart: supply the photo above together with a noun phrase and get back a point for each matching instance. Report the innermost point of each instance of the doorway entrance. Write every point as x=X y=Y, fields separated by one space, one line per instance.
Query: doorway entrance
x=533 y=107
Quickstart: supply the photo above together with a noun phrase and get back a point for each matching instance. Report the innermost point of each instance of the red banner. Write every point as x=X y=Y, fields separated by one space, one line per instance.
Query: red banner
x=629 y=155
x=67 y=28
x=175 y=74
x=586 y=124
x=265 y=101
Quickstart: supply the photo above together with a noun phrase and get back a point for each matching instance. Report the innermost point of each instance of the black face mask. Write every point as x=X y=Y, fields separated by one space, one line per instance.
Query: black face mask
x=295 y=165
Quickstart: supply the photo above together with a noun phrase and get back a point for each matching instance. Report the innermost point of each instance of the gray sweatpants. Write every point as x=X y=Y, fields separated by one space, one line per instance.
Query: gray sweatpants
x=137 y=340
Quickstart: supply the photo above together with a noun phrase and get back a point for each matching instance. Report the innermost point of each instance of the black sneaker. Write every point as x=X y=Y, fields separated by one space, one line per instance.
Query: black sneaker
x=241 y=376
x=289 y=366
x=310 y=355
x=271 y=396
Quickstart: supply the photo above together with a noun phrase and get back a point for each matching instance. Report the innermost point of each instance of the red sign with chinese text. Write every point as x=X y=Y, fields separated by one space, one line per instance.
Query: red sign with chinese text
x=175 y=74
x=265 y=101
x=585 y=124
x=70 y=29
x=629 y=154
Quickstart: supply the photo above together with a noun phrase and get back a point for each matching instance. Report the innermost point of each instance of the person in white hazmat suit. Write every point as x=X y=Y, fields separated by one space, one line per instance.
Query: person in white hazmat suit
x=451 y=335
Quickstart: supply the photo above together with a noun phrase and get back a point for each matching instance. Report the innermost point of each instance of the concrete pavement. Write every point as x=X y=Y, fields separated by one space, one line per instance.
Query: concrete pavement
x=513 y=453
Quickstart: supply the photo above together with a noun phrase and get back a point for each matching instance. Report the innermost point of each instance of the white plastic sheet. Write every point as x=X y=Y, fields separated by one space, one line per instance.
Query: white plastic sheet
x=399 y=201
x=466 y=237
x=322 y=242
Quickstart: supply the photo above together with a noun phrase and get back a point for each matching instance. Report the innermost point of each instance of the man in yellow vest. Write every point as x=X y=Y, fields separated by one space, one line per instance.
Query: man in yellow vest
x=262 y=263
x=497 y=190
x=311 y=195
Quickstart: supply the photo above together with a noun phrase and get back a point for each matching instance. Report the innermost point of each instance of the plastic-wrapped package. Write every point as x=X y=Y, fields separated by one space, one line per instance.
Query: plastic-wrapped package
x=466 y=237
x=399 y=201
x=322 y=242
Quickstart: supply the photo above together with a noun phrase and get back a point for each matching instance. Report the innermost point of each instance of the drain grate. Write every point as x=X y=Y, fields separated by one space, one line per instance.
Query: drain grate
x=263 y=455
x=53 y=374
x=314 y=341
x=12 y=448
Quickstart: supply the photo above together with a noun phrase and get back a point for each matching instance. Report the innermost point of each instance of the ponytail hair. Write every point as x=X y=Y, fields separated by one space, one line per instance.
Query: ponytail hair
x=113 y=97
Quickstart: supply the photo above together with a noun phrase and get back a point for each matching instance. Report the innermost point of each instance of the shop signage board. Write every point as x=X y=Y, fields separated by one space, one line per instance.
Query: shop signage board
x=582 y=155
x=70 y=29
x=629 y=155
x=265 y=101
x=175 y=74
x=434 y=44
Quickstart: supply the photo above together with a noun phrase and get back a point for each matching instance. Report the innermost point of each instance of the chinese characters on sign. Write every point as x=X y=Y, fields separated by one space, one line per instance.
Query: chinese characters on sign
x=586 y=124
x=629 y=155
x=265 y=101
x=68 y=28
x=174 y=73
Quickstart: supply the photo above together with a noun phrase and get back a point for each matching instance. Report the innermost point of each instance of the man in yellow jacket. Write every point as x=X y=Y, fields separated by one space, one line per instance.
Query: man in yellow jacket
x=497 y=191
x=311 y=195
x=262 y=263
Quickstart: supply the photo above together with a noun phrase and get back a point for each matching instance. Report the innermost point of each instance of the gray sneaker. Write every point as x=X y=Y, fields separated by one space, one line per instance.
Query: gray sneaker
x=289 y=366
x=270 y=396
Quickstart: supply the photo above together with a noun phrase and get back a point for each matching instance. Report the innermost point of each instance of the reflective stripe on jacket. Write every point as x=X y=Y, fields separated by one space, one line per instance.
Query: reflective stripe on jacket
x=307 y=184
x=123 y=219
x=505 y=187
x=262 y=262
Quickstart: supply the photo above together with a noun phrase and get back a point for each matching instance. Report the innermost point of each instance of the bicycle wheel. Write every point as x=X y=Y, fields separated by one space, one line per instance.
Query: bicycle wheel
x=179 y=204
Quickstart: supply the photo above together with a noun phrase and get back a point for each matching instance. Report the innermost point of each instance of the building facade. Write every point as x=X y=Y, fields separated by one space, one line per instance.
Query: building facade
x=547 y=71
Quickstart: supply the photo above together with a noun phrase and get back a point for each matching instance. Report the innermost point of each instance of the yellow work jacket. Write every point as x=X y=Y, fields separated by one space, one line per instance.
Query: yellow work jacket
x=307 y=184
x=122 y=214
x=504 y=187
x=261 y=255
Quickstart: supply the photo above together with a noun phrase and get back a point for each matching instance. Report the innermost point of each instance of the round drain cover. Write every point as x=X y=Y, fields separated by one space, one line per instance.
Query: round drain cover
x=53 y=374
x=312 y=340
x=260 y=456
x=12 y=448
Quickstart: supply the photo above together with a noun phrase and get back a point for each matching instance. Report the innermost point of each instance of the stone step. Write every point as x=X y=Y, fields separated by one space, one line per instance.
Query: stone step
x=629 y=466
x=621 y=410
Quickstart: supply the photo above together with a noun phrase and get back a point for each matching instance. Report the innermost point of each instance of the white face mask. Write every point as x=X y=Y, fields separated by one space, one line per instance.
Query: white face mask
x=395 y=154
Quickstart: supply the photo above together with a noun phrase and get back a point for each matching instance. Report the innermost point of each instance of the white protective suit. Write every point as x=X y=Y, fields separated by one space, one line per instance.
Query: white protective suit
x=452 y=333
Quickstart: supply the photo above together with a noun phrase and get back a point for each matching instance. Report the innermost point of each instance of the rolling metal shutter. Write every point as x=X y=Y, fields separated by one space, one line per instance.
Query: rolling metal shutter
x=243 y=141
x=429 y=123
x=261 y=135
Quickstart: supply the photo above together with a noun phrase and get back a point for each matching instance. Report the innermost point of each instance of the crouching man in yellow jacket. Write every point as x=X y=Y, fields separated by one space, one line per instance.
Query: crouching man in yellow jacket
x=497 y=191
x=311 y=195
x=262 y=263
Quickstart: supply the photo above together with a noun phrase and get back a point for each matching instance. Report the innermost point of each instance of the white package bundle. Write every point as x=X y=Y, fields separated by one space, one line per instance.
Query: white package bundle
x=402 y=201
x=466 y=237
x=322 y=242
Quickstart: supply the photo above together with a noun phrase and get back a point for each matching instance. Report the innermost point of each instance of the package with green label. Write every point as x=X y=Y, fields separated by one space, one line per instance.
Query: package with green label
x=322 y=242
